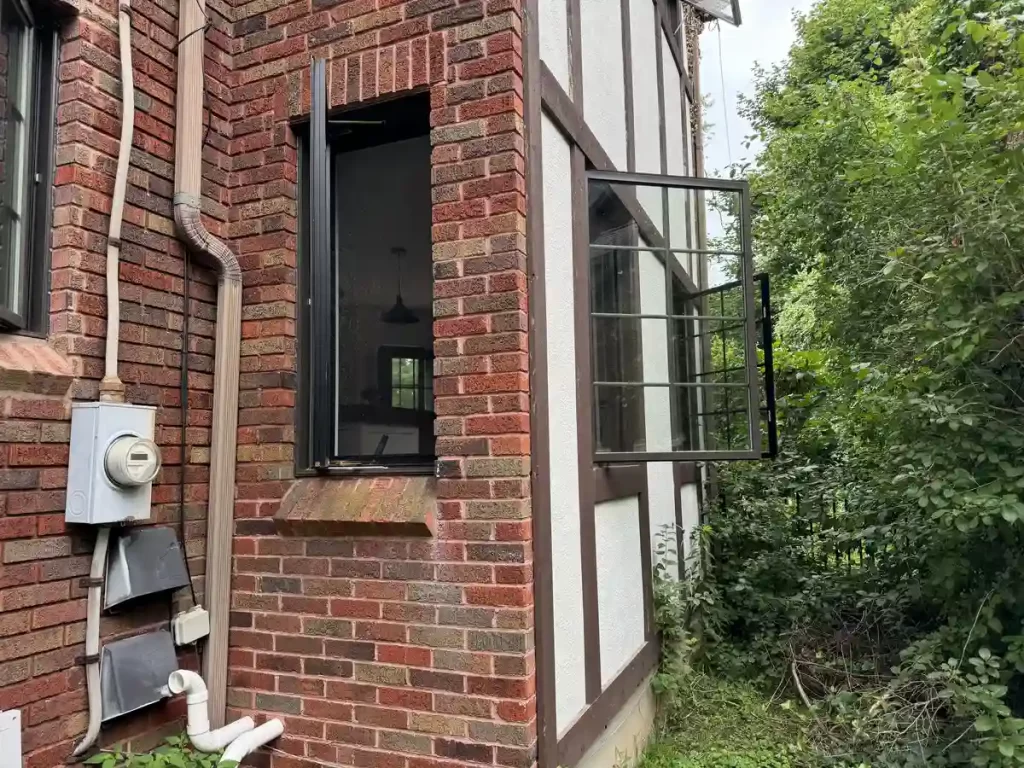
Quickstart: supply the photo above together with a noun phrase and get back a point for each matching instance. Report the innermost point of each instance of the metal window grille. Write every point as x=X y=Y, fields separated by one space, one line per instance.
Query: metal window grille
x=681 y=361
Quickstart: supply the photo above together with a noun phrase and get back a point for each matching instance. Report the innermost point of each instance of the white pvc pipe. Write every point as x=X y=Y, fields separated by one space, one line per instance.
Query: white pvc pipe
x=111 y=387
x=254 y=739
x=92 y=641
x=198 y=727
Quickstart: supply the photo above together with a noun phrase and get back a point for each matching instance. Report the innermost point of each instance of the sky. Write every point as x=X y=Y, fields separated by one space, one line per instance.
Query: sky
x=764 y=37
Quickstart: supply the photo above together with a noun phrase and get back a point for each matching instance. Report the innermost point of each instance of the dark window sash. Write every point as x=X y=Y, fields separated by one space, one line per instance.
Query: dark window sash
x=35 y=215
x=322 y=416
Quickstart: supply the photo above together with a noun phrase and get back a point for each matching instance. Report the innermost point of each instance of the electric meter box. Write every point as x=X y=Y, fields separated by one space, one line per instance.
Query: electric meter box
x=113 y=463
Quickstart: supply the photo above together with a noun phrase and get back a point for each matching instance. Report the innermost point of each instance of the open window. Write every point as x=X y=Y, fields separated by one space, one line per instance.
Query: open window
x=680 y=325
x=366 y=277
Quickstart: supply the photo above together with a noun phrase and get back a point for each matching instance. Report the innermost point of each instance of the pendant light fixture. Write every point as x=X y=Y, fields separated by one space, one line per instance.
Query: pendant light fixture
x=399 y=314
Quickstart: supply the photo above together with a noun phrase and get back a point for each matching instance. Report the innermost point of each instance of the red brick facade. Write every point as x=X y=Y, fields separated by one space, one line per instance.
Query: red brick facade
x=378 y=651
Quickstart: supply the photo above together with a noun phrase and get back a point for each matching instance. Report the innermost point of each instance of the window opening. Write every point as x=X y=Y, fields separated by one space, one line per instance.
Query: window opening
x=367 y=335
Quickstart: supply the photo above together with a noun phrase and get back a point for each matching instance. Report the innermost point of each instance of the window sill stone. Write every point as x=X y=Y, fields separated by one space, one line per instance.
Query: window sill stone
x=30 y=365
x=359 y=506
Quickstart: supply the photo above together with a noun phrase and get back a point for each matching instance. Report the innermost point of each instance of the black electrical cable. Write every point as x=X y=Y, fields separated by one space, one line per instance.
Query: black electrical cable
x=183 y=442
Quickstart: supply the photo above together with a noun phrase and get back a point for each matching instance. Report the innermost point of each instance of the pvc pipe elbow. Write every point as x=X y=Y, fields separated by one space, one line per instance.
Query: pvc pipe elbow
x=214 y=741
x=189 y=683
x=254 y=739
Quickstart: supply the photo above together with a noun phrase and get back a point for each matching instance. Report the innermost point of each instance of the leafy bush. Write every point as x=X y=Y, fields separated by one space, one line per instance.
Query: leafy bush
x=175 y=752
x=873 y=571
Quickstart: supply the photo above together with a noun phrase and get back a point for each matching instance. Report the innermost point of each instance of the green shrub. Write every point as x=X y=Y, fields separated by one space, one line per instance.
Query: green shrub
x=873 y=571
x=175 y=752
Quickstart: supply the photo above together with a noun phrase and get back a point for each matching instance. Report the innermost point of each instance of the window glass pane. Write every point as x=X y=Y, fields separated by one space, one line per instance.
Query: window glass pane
x=383 y=280
x=406 y=376
x=16 y=92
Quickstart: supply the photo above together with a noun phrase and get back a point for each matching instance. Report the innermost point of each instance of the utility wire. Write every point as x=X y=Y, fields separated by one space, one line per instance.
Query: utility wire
x=725 y=94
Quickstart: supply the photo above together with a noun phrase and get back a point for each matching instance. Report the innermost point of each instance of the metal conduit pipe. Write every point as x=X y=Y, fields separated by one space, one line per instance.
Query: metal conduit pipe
x=187 y=215
x=111 y=388
x=92 y=640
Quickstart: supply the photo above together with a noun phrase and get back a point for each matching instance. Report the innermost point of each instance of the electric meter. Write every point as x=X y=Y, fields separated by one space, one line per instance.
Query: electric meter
x=132 y=461
x=113 y=463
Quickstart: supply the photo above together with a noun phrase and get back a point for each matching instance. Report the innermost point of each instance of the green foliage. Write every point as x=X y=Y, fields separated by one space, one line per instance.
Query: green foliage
x=708 y=721
x=873 y=571
x=175 y=752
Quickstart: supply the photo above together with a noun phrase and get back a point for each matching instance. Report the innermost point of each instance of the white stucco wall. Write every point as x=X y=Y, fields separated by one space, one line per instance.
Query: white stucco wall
x=646 y=123
x=661 y=490
x=604 y=93
x=657 y=412
x=565 y=503
x=690 y=515
x=554 y=39
x=679 y=199
x=657 y=409
x=620 y=592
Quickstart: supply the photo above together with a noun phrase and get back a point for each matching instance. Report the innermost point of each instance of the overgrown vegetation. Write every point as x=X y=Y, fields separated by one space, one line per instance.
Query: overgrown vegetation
x=175 y=752
x=874 y=573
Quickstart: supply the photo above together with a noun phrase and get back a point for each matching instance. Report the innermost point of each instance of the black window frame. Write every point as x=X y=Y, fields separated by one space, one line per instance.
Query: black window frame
x=31 y=317
x=316 y=384
x=758 y=384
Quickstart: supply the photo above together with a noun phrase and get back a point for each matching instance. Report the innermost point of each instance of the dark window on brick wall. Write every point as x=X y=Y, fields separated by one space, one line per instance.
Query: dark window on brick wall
x=373 y=409
x=28 y=50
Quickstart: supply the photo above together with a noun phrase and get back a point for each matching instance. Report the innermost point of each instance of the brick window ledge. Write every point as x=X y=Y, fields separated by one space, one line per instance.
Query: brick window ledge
x=32 y=366
x=359 y=506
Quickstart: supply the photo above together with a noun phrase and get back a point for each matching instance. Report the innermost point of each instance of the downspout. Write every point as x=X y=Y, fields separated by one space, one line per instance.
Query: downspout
x=187 y=215
x=111 y=387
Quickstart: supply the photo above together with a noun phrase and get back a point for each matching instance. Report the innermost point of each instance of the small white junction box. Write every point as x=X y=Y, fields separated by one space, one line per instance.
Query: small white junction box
x=10 y=738
x=112 y=464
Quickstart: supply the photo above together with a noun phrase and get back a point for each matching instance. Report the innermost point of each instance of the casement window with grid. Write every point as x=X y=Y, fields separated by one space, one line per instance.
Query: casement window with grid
x=680 y=325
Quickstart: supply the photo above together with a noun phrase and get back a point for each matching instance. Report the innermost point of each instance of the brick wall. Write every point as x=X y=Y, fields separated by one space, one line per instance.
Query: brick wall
x=376 y=651
x=42 y=606
x=398 y=653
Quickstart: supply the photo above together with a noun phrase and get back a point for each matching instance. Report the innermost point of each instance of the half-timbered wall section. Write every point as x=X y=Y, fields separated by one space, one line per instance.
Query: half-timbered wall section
x=610 y=87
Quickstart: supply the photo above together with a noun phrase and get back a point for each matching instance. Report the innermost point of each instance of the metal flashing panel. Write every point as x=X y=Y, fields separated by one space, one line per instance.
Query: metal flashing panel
x=144 y=561
x=726 y=10
x=134 y=672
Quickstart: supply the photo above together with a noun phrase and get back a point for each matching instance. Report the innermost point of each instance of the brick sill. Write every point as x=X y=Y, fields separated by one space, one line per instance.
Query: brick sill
x=31 y=366
x=348 y=505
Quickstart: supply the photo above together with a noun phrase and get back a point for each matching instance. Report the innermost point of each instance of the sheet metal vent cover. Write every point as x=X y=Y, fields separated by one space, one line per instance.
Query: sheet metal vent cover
x=144 y=561
x=726 y=10
x=134 y=672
